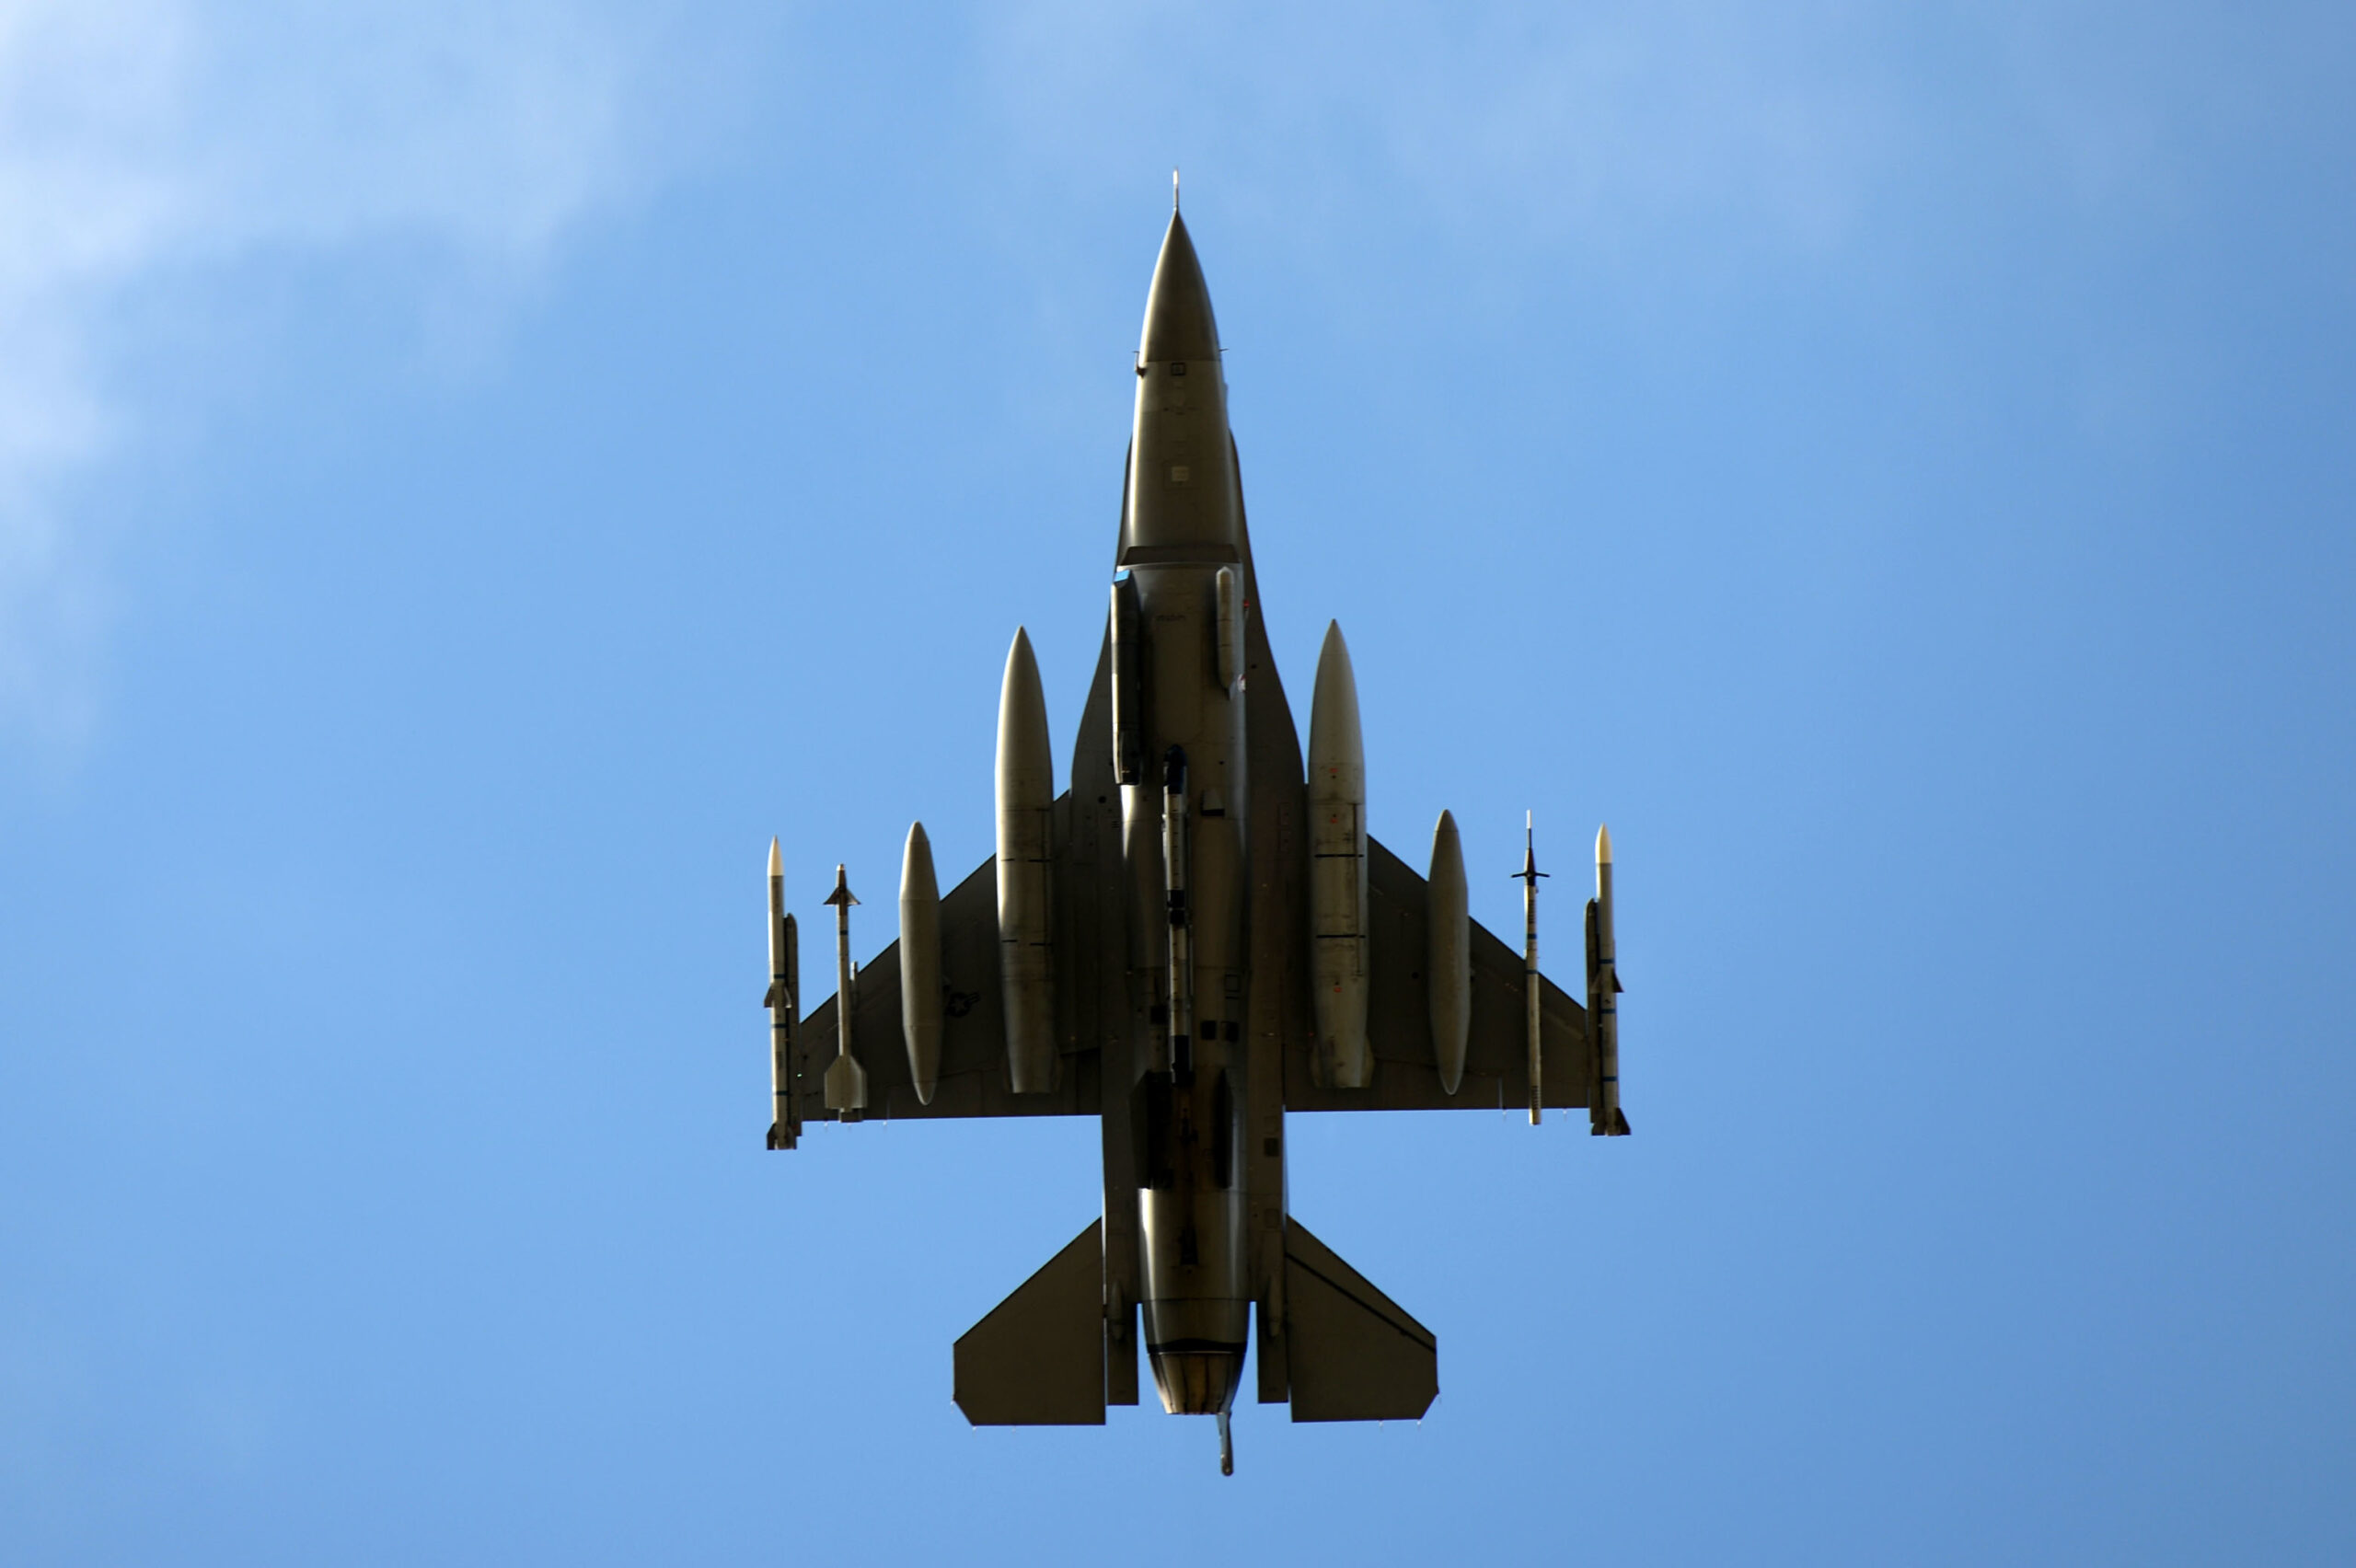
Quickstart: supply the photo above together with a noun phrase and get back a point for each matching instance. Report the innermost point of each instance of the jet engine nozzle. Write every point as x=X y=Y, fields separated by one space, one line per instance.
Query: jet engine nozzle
x=1197 y=1382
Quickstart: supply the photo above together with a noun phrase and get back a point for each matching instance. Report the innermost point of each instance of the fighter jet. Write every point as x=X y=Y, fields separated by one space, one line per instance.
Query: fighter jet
x=1192 y=940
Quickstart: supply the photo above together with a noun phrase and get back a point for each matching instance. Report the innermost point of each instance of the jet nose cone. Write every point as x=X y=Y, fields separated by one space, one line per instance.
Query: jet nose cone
x=1178 y=320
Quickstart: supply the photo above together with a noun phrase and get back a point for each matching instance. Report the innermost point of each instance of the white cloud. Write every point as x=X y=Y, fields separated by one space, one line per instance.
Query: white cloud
x=144 y=138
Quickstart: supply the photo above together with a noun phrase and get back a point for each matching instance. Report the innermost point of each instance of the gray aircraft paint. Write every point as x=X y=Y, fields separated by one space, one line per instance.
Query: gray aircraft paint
x=1142 y=947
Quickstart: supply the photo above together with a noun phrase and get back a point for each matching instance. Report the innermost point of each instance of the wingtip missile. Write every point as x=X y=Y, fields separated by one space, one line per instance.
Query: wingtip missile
x=1532 y=985
x=784 y=981
x=1605 y=1117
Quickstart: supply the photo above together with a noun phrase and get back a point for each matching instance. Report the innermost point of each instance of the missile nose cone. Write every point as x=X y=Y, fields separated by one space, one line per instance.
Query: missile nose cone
x=1604 y=844
x=776 y=861
x=1178 y=320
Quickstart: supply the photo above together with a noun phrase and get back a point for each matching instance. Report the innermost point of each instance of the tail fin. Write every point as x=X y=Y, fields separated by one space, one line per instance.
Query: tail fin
x=1038 y=1358
x=1351 y=1353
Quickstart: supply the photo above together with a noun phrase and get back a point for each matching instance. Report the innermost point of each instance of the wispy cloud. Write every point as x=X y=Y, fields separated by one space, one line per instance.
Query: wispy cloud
x=1544 y=119
x=1620 y=130
x=142 y=140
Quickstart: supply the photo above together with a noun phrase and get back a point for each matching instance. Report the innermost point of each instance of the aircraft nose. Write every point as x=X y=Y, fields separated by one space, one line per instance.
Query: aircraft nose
x=1178 y=320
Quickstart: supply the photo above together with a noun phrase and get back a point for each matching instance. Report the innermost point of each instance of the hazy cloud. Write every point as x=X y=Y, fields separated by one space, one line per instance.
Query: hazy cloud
x=141 y=138
x=1609 y=128
x=1544 y=119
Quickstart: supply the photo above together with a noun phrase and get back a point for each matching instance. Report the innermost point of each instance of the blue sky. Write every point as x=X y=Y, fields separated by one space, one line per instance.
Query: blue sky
x=470 y=474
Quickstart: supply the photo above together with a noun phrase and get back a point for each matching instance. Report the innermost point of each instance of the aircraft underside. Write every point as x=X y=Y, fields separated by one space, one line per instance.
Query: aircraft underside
x=1192 y=938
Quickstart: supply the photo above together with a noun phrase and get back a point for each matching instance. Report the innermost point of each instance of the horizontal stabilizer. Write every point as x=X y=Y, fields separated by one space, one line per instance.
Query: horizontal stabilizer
x=1038 y=1358
x=1353 y=1353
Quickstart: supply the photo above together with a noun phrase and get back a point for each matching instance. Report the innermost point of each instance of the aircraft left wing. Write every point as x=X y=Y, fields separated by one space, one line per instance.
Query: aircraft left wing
x=972 y=1038
x=1497 y=1071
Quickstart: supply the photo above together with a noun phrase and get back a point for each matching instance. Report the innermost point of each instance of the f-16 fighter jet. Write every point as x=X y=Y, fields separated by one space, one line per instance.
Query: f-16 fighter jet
x=1192 y=940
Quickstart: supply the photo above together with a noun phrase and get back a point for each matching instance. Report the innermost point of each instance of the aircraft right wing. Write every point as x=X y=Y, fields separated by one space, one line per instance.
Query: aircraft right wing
x=1406 y=1073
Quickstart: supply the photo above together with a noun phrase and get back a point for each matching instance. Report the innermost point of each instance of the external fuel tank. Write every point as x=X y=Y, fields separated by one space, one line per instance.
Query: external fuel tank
x=1026 y=797
x=1338 y=891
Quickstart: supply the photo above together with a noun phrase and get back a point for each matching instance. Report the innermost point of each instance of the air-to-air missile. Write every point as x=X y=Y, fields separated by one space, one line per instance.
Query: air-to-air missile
x=785 y=986
x=1532 y=983
x=1197 y=937
x=1604 y=1115
x=846 y=1080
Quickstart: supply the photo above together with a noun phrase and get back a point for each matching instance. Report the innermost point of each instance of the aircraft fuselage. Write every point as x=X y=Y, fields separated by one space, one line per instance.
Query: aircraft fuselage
x=1182 y=814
